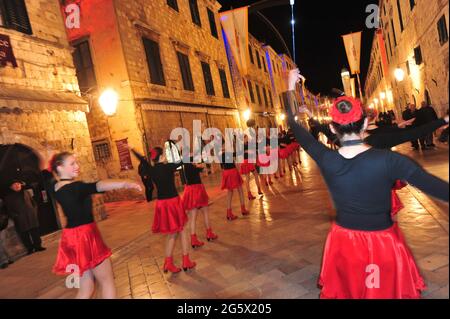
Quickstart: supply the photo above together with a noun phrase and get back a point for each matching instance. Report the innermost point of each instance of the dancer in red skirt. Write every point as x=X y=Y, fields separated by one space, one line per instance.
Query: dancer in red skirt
x=81 y=248
x=365 y=253
x=283 y=152
x=170 y=216
x=196 y=199
x=295 y=149
x=249 y=167
x=231 y=181
x=390 y=136
x=266 y=157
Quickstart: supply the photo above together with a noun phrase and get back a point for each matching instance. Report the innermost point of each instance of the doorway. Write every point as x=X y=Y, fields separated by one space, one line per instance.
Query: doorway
x=18 y=161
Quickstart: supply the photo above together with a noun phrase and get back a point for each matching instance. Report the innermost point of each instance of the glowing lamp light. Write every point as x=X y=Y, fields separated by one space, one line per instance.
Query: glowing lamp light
x=292 y=2
x=108 y=101
x=282 y=116
x=399 y=74
x=375 y=100
x=382 y=95
x=246 y=114
x=371 y=106
x=296 y=118
x=292 y=21
x=390 y=96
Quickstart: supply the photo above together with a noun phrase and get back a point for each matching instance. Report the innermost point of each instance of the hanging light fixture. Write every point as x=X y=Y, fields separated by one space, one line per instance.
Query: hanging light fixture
x=108 y=101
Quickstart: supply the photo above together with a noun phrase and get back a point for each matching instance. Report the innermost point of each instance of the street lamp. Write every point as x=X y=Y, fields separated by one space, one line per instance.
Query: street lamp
x=108 y=101
x=399 y=74
x=246 y=114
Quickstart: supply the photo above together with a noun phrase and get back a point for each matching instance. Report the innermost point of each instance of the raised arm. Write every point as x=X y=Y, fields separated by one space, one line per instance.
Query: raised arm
x=403 y=168
x=113 y=184
x=313 y=147
x=394 y=138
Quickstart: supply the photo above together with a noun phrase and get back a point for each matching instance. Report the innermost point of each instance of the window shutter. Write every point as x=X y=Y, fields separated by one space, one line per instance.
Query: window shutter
x=16 y=16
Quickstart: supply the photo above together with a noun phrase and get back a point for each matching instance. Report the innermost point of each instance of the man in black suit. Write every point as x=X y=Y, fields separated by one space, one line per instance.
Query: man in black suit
x=425 y=115
x=408 y=114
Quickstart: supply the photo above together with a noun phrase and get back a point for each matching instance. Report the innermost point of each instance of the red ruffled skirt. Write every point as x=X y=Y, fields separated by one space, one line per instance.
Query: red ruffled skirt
x=231 y=179
x=291 y=148
x=396 y=203
x=247 y=168
x=368 y=265
x=283 y=153
x=194 y=196
x=170 y=216
x=264 y=160
x=80 y=248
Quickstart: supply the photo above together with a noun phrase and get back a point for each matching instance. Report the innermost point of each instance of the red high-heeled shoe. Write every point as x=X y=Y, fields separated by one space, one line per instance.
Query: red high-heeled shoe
x=210 y=235
x=195 y=243
x=244 y=211
x=230 y=215
x=169 y=266
x=187 y=263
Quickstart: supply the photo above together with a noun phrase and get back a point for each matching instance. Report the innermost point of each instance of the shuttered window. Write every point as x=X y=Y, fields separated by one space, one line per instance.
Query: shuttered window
x=84 y=67
x=250 y=90
x=212 y=24
x=154 y=62
x=223 y=80
x=442 y=30
x=173 y=4
x=208 y=79
x=185 y=68
x=13 y=15
x=193 y=5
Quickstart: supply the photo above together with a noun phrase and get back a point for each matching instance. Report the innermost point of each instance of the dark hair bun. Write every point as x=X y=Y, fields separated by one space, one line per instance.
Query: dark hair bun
x=344 y=106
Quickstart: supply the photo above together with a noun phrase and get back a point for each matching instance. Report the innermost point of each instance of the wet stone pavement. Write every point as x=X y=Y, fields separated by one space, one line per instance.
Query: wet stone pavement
x=273 y=253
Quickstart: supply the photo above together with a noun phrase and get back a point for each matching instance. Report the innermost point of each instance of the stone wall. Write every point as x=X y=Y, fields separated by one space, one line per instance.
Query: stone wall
x=47 y=132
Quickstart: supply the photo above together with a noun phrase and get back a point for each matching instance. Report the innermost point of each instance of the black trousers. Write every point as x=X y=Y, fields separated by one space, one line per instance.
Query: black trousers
x=31 y=239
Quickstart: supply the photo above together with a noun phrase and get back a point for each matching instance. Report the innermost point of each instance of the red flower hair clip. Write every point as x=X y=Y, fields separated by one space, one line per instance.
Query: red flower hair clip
x=346 y=110
x=153 y=154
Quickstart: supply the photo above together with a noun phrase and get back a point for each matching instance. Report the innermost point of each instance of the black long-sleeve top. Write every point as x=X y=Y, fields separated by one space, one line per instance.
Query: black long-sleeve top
x=162 y=175
x=192 y=174
x=227 y=160
x=76 y=202
x=361 y=186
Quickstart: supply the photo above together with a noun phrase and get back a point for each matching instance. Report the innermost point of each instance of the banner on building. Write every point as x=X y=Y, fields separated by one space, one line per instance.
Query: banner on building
x=383 y=53
x=353 y=86
x=124 y=155
x=235 y=26
x=6 y=51
x=352 y=44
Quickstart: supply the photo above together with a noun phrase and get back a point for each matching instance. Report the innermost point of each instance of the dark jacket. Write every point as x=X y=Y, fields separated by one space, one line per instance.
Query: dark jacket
x=427 y=114
x=22 y=209
x=408 y=114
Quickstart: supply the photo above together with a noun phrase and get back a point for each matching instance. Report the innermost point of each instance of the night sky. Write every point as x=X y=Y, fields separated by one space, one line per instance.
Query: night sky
x=319 y=26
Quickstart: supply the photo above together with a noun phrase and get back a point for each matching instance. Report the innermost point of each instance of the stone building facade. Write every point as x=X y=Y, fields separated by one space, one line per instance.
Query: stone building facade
x=166 y=60
x=40 y=106
x=415 y=37
x=260 y=90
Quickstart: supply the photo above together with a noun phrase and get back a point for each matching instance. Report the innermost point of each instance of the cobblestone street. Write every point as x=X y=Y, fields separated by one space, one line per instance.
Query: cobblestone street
x=273 y=253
